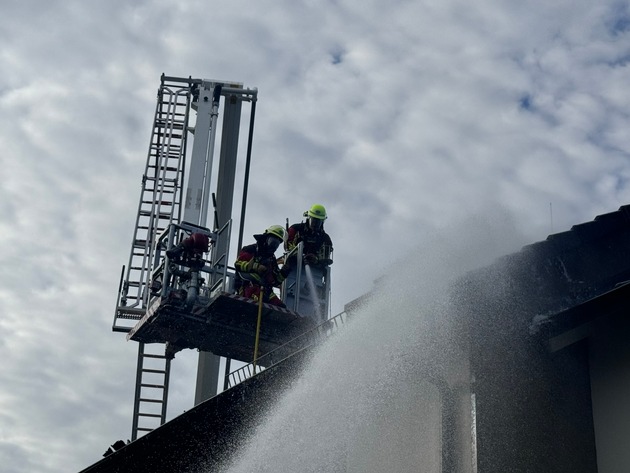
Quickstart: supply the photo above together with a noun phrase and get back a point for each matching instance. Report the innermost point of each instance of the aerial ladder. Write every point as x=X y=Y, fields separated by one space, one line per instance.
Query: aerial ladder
x=176 y=291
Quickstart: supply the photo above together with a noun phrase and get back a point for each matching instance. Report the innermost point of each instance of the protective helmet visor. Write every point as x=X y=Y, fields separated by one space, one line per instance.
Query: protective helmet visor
x=273 y=242
x=315 y=223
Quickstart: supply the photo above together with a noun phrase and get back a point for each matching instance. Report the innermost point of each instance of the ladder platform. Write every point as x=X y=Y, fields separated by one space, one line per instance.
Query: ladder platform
x=224 y=325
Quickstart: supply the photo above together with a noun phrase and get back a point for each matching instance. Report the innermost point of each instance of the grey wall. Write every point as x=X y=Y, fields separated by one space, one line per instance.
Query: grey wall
x=610 y=376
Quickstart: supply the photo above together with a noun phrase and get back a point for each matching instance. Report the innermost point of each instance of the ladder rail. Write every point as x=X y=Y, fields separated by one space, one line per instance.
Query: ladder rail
x=323 y=330
x=160 y=200
x=158 y=191
x=142 y=399
x=138 y=216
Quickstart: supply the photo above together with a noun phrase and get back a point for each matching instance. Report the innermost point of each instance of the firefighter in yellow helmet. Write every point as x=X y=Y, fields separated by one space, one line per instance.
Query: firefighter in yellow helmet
x=317 y=243
x=257 y=269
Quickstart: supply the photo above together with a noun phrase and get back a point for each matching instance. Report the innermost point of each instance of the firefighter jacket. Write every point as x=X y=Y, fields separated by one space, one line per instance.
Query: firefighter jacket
x=259 y=267
x=317 y=243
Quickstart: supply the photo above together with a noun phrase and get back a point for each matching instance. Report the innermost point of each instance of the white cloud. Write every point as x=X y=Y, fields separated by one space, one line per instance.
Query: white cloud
x=402 y=119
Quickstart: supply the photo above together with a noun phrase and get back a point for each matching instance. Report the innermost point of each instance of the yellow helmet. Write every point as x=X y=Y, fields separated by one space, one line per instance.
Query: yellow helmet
x=317 y=211
x=275 y=230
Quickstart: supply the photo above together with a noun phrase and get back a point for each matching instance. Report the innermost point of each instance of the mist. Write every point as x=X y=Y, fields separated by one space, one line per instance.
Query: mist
x=370 y=398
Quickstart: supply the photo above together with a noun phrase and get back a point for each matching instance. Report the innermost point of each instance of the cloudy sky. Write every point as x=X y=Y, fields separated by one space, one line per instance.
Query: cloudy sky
x=406 y=119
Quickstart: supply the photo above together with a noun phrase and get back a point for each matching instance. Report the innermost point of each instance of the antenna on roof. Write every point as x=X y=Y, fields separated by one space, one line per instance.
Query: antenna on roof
x=551 y=216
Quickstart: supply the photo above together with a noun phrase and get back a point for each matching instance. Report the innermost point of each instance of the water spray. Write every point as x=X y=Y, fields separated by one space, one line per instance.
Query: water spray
x=313 y=292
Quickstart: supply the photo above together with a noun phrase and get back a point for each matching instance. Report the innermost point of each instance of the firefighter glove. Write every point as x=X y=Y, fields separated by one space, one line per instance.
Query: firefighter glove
x=291 y=260
x=310 y=259
x=259 y=268
x=286 y=269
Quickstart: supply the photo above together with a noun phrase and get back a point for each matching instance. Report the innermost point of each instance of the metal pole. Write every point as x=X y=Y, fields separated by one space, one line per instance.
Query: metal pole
x=260 y=304
x=214 y=113
x=246 y=181
x=250 y=138
x=208 y=372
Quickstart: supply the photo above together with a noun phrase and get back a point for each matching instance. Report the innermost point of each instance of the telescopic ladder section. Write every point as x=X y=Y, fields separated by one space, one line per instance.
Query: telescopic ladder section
x=149 y=408
x=160 y=205
x=160 y=200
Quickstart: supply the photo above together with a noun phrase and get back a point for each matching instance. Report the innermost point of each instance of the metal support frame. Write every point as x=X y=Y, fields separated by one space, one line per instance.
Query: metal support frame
x=295 y=289
x=167 y=275
x=209 y=364
x=162 y=201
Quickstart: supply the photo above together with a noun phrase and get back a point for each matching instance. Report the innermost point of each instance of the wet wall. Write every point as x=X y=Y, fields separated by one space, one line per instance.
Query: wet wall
x=534 y=406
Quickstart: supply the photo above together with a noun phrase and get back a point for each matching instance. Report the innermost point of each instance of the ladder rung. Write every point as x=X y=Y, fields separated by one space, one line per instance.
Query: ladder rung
x=170 y=101
x=160 y=150
x=172 y=125
x=168 y=190
x=165 y=165
x=162 y=113
x=165 y=190
x=163 y=202
x=159 y=416
x=146 y=227
x=175 y=112
x=165 y=180
x=156 y=401
x=170 y=157
x=169 y=128
x=169 y=122
x=164 y=168
x=153 y=371
x=157 y=386
x=170 y=135
x=148 y=355
x=169 y=187
x=148 y=213
x=173 y=116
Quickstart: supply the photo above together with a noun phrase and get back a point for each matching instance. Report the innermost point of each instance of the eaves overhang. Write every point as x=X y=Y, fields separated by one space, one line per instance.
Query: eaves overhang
x=576 y=323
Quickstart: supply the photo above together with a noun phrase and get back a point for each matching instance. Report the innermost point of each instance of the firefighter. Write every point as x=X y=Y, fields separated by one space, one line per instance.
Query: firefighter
x=317 y=243
x=190 y=250
x=257 y=268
